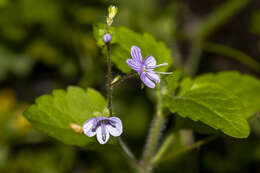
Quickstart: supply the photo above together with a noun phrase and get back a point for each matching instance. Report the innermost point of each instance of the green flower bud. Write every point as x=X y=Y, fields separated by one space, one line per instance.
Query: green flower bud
x=112 y=10
x=109 y=21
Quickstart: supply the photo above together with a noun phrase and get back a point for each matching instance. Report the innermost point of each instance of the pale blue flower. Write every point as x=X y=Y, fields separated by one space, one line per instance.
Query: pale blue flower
x=145 y=68
x=102 y=127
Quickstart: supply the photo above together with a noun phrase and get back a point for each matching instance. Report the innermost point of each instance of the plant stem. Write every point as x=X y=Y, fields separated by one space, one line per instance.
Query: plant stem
x=232 y=53
x=109 y=80
x=123 y=78
x=126 y=149
x=164 y=147
x=122 y=144
x=187 y=149
x=192 y=64
x=154 y=135
x=129 y=155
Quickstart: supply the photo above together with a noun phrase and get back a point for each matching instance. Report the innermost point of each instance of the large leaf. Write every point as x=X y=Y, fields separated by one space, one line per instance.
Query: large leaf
x=245 y=87
x=123 y=39
x=223 y=101
x=214 y=107
x=173 y=80
x=54 y=113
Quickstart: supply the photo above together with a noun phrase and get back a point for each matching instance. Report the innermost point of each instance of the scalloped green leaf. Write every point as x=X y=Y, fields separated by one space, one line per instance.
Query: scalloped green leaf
x=122 y=40
x=212 y=106
x=209 y=97
x=173 y=80
x=245 y=87
x=53 y=114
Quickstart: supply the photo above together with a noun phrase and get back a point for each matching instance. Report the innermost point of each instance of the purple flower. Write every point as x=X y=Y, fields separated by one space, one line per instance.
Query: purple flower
x=103 y=127
x=107 y=37
x=145 y=68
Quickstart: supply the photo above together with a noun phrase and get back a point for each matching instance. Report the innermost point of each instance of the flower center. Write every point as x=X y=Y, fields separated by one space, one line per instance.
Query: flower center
x=104 y=123
x=143 y=69
x=104 y=136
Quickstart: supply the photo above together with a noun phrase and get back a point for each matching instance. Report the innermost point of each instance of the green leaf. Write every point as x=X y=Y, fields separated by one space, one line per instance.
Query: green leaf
x=223 y=101
x=173 y=80
x=53 y=113
x=214 y=107
x=199 y=127
x=123 y=39
x=245 y=87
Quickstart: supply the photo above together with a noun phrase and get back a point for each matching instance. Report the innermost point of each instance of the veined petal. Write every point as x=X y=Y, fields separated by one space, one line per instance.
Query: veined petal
x=115 y=128
x=147 y=81
x=102 y=134
x=134 y=64
x=88 y=127
x=153 y=76
x=150 y=61
x=136 y=54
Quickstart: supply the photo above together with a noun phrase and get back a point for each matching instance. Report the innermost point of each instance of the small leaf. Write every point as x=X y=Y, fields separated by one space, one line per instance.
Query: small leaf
x=123 y=39
x=53 y=114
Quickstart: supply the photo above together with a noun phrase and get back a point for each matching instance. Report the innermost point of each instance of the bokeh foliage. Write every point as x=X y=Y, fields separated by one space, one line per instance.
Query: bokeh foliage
x=48 y=44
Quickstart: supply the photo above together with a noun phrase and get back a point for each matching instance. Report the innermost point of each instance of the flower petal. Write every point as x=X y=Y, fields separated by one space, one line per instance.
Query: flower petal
x=147 y=81
x=88 y=126
x=102 y=134
x=153 y=76
x=136 y=54
x=116 y=128
x=150 y=61
x=134 y=64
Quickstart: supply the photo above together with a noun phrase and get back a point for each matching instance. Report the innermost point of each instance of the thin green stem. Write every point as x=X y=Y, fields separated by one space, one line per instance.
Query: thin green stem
x=127 y=152
x=123 y=78
x=192 y=64
x=154 y=135
x=109 y=80
x=232 y=53
x=187 y=149
x=126 y=149
x=129 y=155
x=163 y=149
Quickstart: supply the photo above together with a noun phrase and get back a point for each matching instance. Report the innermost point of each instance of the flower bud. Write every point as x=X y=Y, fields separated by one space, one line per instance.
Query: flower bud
x=109 y=21
x=107 y=37
x=112 y=10
x=76 y=128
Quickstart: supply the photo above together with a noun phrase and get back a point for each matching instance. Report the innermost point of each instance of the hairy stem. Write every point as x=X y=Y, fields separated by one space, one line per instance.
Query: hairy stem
x=194 y=57
x=187 y=149
x=124 y=147
x=163 y=149
x=129 y=155
x=154 y=135
x=123 y=78
x=109 y=80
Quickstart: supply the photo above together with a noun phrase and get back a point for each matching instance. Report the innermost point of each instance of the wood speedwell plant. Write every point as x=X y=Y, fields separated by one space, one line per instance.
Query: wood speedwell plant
x=224 y=101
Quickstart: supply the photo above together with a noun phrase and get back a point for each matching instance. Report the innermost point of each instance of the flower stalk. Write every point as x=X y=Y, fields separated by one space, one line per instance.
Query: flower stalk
x=123 y=78
x=109 y=80
x=154 y=135
x=163 y=149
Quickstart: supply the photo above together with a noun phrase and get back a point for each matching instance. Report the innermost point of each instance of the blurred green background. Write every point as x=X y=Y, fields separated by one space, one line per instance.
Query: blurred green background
x=48 y=44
